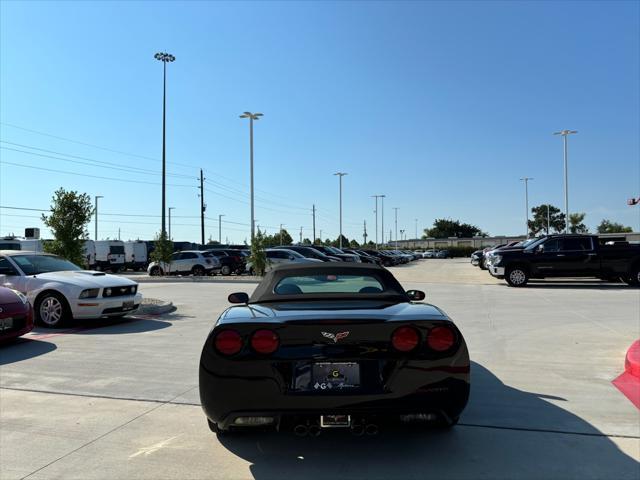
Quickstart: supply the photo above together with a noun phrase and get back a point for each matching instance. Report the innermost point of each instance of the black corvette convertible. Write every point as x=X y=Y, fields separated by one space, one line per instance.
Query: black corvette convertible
x=332 y=345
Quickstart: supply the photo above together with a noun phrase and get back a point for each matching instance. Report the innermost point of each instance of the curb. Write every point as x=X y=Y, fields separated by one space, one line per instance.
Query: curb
x=632 y=359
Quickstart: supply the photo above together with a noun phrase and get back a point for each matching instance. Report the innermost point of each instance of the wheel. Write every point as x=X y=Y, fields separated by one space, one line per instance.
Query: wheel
x=51 y=310
x=516 y=276
x=155 y=272
x=251 y=271
x=481 y=264
x=225 y=270
x=633 y=279
x=198 y=271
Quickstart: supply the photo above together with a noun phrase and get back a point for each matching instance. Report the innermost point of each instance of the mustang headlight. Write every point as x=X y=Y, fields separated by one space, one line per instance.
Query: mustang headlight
x=21 y=296
x=90 y=293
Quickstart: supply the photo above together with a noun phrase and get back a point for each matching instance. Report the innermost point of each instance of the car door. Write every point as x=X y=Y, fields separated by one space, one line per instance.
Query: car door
x=12 y=277
x=579 y=258
x=174 y=266
x=546 y=260
x=187 y=261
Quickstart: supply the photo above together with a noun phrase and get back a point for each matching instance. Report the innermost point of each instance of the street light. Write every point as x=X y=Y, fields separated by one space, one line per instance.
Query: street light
x=164 y=58
x=526 y=200
x=251 y=117
x=170 y=208
x=396 y=223
x=96 y=202
x=340 y=175
x=564 y=134
x=382 y=218
x=220 y=228
x=376 y=212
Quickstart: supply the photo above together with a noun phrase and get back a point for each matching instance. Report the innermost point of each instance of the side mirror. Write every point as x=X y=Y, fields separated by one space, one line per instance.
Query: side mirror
x=238 y=297
x=415 y=295
x=540 y=248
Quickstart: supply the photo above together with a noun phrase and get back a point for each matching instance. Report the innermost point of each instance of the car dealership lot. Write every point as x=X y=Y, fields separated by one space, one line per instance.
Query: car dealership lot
x=119 y=399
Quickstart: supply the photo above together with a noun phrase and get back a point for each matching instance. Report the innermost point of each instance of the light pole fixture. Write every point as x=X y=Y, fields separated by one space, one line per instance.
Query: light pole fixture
x=170 y=208
x=396 y=225
x=340 y=175
x=164 y=58
x=96 y=213
x=220 y=228
x=251 y=117
x=526 y=203
x=565 y=134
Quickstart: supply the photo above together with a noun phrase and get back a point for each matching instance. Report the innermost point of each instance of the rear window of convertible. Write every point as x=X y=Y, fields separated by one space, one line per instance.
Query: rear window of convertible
x=328 y=284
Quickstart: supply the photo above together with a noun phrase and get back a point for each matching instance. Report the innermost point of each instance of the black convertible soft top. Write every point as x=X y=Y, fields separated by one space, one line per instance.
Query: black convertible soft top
x=393 y=291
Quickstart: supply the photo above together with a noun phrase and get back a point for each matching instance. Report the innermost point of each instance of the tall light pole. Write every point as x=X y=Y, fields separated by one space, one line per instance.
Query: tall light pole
x=281 y=225
x=396 y=223
x=416 y=220
x=564 y=134
x=170 y=208
x=382 y=218
x=548 y=220
x=96 y=202
x=526 y=203
x=340 y=175
x=376 y=212
x=220 y=228
x=251 y=117
x=164 y=58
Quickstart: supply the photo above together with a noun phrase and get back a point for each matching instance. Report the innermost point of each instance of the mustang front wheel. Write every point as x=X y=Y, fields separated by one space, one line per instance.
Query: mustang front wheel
x=51 y=310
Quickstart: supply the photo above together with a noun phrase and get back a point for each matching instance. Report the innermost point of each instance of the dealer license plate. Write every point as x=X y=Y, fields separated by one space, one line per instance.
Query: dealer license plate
x=6 y=323
x=333 y=376
x=128 y=305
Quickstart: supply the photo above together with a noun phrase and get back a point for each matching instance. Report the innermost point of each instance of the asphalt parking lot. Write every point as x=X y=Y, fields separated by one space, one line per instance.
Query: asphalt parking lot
x=119 y=400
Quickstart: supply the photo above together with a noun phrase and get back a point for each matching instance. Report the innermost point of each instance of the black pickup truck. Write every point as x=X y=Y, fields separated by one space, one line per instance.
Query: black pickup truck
x=567 y=256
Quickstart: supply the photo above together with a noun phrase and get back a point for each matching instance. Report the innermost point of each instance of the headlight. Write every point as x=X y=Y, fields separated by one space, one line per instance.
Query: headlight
x=496 y=259
x=90 y=293
x=21 y=296
x=134 y=289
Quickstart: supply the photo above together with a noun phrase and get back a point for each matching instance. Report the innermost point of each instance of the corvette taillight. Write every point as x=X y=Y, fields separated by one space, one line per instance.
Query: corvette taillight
x=405 y=339
x=440 y=339
x=228 y=342
x=265 y=341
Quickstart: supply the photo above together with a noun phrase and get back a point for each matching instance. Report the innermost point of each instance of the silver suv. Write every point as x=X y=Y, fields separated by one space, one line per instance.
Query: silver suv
x=188 y=262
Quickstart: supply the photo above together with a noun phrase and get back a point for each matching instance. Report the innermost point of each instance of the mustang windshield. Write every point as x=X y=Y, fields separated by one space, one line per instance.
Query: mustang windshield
x=331 y=283
x=35 y=264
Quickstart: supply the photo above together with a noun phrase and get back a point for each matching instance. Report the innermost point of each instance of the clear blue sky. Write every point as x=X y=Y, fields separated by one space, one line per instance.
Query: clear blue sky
x=442 y=106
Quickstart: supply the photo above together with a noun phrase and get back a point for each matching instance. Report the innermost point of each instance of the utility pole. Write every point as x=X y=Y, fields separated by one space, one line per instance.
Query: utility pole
x=203 y=207
x=300 y=235
x=526 y=200
x=364 y=235
x=321 y=237
x=96 y=202
x=313 y=240
x=564 y=134
x=281 y=234
x=118 y=233
x=416 y=220
x=548 y=220
x=170 y=208
x=220 y=228
x=396 y=222
x=382 y=216
x=340 y=175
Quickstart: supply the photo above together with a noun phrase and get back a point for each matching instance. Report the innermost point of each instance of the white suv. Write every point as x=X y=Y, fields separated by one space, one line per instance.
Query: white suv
x=185 y=263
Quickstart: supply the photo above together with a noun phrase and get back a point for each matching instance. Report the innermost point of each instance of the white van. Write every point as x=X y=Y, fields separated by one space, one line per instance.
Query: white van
x=89 y=251
x=109 y=255
x=9 y=243
x=135 y=255
x=31 y=245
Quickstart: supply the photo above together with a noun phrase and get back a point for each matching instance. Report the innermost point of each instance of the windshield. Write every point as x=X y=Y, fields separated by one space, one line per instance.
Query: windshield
x=35 y=264
x=535 y=242
x=300 y=285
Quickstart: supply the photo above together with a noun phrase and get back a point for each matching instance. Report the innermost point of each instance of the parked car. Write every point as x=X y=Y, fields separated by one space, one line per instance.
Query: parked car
x=567 y=256
x=135 y=255
x=443 y=254
x=231 y=261
x=278 y=256
x=430 y=254
x=337 y=253
x=189 y=262
x=109 y=255
x=364 y=257
x=61 y=291
x=16 y=314
x=310 y=253
x=386 y=259
x=10 y=243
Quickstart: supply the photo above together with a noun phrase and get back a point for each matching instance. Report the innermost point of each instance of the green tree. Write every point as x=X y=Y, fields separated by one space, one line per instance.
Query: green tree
x=607 y=226
x=444 y=228
x=539 y=222
x=163 y=248
x=327 y=242
x=336 y=242
x=575 y=223
x=306 y=241
x=318 y=241
x=258 y=257
x=354 y=244
x=70 y=213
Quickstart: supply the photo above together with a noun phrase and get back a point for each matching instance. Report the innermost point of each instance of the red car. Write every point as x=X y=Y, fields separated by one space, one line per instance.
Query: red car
x=16 y=314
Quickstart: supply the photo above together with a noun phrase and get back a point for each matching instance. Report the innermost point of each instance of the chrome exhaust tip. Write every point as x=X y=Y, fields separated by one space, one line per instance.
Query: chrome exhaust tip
x=371 y=429
x=314 y=430
x=301 y=430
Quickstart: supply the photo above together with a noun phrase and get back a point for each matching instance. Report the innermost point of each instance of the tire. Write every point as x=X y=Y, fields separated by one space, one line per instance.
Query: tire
x=155 y=272
x=225 y=270
x=51 y=310
x=198 y=271
x=516 y=276
x=633 y=279
x=482 y=265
